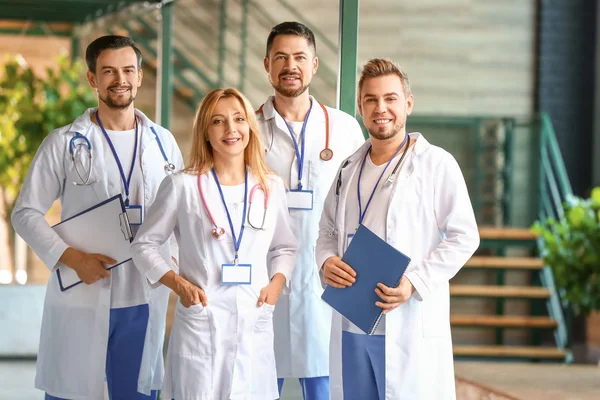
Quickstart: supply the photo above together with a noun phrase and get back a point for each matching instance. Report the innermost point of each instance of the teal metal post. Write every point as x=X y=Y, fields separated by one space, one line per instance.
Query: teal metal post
x=163 y=115
x=244 y=52
x=222 y=32
x=348 y=55
x=74 y=47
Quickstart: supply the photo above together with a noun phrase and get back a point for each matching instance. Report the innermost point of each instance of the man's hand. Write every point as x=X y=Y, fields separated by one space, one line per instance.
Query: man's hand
x=337 y=273
x=190 y=294
x=88 y=267
x=270 y=293
x=393 y=297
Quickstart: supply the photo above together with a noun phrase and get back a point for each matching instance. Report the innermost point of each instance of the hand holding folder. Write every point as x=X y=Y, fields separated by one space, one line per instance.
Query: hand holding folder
x=374 y=261
x=102 y=229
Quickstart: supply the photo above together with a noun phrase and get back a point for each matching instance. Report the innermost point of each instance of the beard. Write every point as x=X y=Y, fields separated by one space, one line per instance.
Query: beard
x=289 y=92
x=119 y=104
x=380 y=133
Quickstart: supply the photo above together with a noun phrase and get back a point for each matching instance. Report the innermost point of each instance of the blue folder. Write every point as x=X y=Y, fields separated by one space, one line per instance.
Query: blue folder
x=374 y=261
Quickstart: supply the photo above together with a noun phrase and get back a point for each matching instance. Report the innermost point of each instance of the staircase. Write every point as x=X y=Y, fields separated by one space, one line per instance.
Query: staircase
x=492 y=318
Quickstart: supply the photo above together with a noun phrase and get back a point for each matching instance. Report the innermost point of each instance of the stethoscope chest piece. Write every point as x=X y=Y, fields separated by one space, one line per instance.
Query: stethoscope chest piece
x=326 y=154
x=169 y=168
x=218 y=233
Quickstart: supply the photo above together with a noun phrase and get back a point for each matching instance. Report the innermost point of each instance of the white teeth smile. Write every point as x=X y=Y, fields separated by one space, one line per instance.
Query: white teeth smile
x=382 y=121
x=118 y=90
x=231 y=141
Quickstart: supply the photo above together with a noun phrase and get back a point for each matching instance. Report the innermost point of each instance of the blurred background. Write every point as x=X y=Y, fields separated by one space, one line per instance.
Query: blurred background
x=509 y=87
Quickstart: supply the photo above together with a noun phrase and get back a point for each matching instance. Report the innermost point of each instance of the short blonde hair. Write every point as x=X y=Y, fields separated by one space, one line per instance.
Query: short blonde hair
x=376 y=67
x=201 y=158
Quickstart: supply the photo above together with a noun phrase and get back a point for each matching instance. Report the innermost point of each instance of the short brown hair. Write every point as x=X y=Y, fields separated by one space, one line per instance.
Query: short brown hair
x=376 y=67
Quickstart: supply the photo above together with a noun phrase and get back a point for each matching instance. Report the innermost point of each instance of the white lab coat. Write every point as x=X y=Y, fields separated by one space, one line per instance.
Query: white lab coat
x=302 y=319
x=430 y=218
x=223 y=351
x=74 y=336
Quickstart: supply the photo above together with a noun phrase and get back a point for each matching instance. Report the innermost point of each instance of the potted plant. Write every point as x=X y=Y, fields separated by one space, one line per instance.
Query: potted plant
x=571 y=247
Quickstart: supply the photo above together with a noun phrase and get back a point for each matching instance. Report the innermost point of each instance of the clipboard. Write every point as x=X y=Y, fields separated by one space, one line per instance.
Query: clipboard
x=103 y=228
x=373 y=260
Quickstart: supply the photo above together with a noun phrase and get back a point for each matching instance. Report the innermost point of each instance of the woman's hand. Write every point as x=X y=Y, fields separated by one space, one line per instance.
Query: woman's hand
x=270 y=293
x=189 y=294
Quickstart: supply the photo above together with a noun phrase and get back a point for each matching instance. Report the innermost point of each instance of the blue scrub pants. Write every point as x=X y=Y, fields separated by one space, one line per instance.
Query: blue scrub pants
x=127 y=332
x=363 y=366
x=316 y=388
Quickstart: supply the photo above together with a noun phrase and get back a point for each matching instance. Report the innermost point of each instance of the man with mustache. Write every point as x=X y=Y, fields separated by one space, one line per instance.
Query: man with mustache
x=305 y=142
x=111 y=325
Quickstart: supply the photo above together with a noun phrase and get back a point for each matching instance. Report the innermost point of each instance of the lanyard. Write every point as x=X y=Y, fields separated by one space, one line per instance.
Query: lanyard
x=127 y=181
x=237 y=241
x=361 y=213
x=300 y=154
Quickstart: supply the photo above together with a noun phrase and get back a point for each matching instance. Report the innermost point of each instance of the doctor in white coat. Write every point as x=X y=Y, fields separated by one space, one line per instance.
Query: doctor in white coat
x=237 y=252
x=413 y=195
x=305 y=143
x=112 y=325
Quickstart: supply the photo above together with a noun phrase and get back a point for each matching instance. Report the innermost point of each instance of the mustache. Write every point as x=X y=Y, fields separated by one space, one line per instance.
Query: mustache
x=290 y=74
x=120 y=87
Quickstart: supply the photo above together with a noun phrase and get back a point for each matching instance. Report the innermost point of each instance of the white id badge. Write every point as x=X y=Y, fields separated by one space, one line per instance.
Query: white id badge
x=300 y=199
x=236 y=274
x=134 y=214
x=349 y=239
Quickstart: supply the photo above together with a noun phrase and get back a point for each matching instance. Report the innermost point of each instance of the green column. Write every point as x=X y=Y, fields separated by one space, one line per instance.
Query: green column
x=165 y=107
x=348 y=54
x=74 y=46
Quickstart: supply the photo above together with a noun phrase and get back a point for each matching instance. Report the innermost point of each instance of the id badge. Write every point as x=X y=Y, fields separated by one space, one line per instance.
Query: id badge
x=236 y=274
x=134 y=214
x=349 y=239
x=300 y=199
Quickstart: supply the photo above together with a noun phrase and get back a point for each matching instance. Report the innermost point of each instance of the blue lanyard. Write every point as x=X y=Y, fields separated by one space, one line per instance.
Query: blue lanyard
x=126 y=182
x=300 y=154
x=236 y=241
x=361 y=213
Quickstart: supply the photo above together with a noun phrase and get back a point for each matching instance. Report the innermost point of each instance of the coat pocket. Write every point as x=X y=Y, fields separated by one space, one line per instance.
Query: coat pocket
x=192 y=331
x=264 y=322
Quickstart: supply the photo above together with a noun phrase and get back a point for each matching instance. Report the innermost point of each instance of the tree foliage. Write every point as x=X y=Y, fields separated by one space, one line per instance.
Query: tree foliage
x=30 y=108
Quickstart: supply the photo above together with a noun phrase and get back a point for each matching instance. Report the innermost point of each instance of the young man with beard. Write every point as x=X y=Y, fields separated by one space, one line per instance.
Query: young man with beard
x=305 y=142
x=112 y=325
x=412 y=195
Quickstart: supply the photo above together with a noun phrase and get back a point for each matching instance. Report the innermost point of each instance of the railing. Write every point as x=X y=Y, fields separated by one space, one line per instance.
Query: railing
x=214 y=46
x=554 y=189
x=483 y=146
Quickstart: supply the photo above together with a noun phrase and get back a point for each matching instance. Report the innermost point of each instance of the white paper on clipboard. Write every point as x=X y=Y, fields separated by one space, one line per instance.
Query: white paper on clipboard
x=103 y=229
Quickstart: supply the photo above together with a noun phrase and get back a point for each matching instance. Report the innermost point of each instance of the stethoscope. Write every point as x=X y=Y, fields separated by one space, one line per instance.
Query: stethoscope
x=75 y=147
x=218 y=233
x=326 y=154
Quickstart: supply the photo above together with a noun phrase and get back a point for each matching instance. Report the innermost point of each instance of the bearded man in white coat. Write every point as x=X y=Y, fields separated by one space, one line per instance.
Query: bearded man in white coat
x=111 y=325
x=413 y=195
x=305 y=143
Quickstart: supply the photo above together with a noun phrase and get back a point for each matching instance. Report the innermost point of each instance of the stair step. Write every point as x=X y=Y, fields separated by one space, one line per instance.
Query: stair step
x=505 y=233
x=505 y=262
x=509 y=351
x=506 y=321
x=500 y=291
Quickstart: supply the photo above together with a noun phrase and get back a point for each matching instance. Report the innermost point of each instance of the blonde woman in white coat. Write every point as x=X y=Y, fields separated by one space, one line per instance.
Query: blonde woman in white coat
x=237 y=253
x=412 y=195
